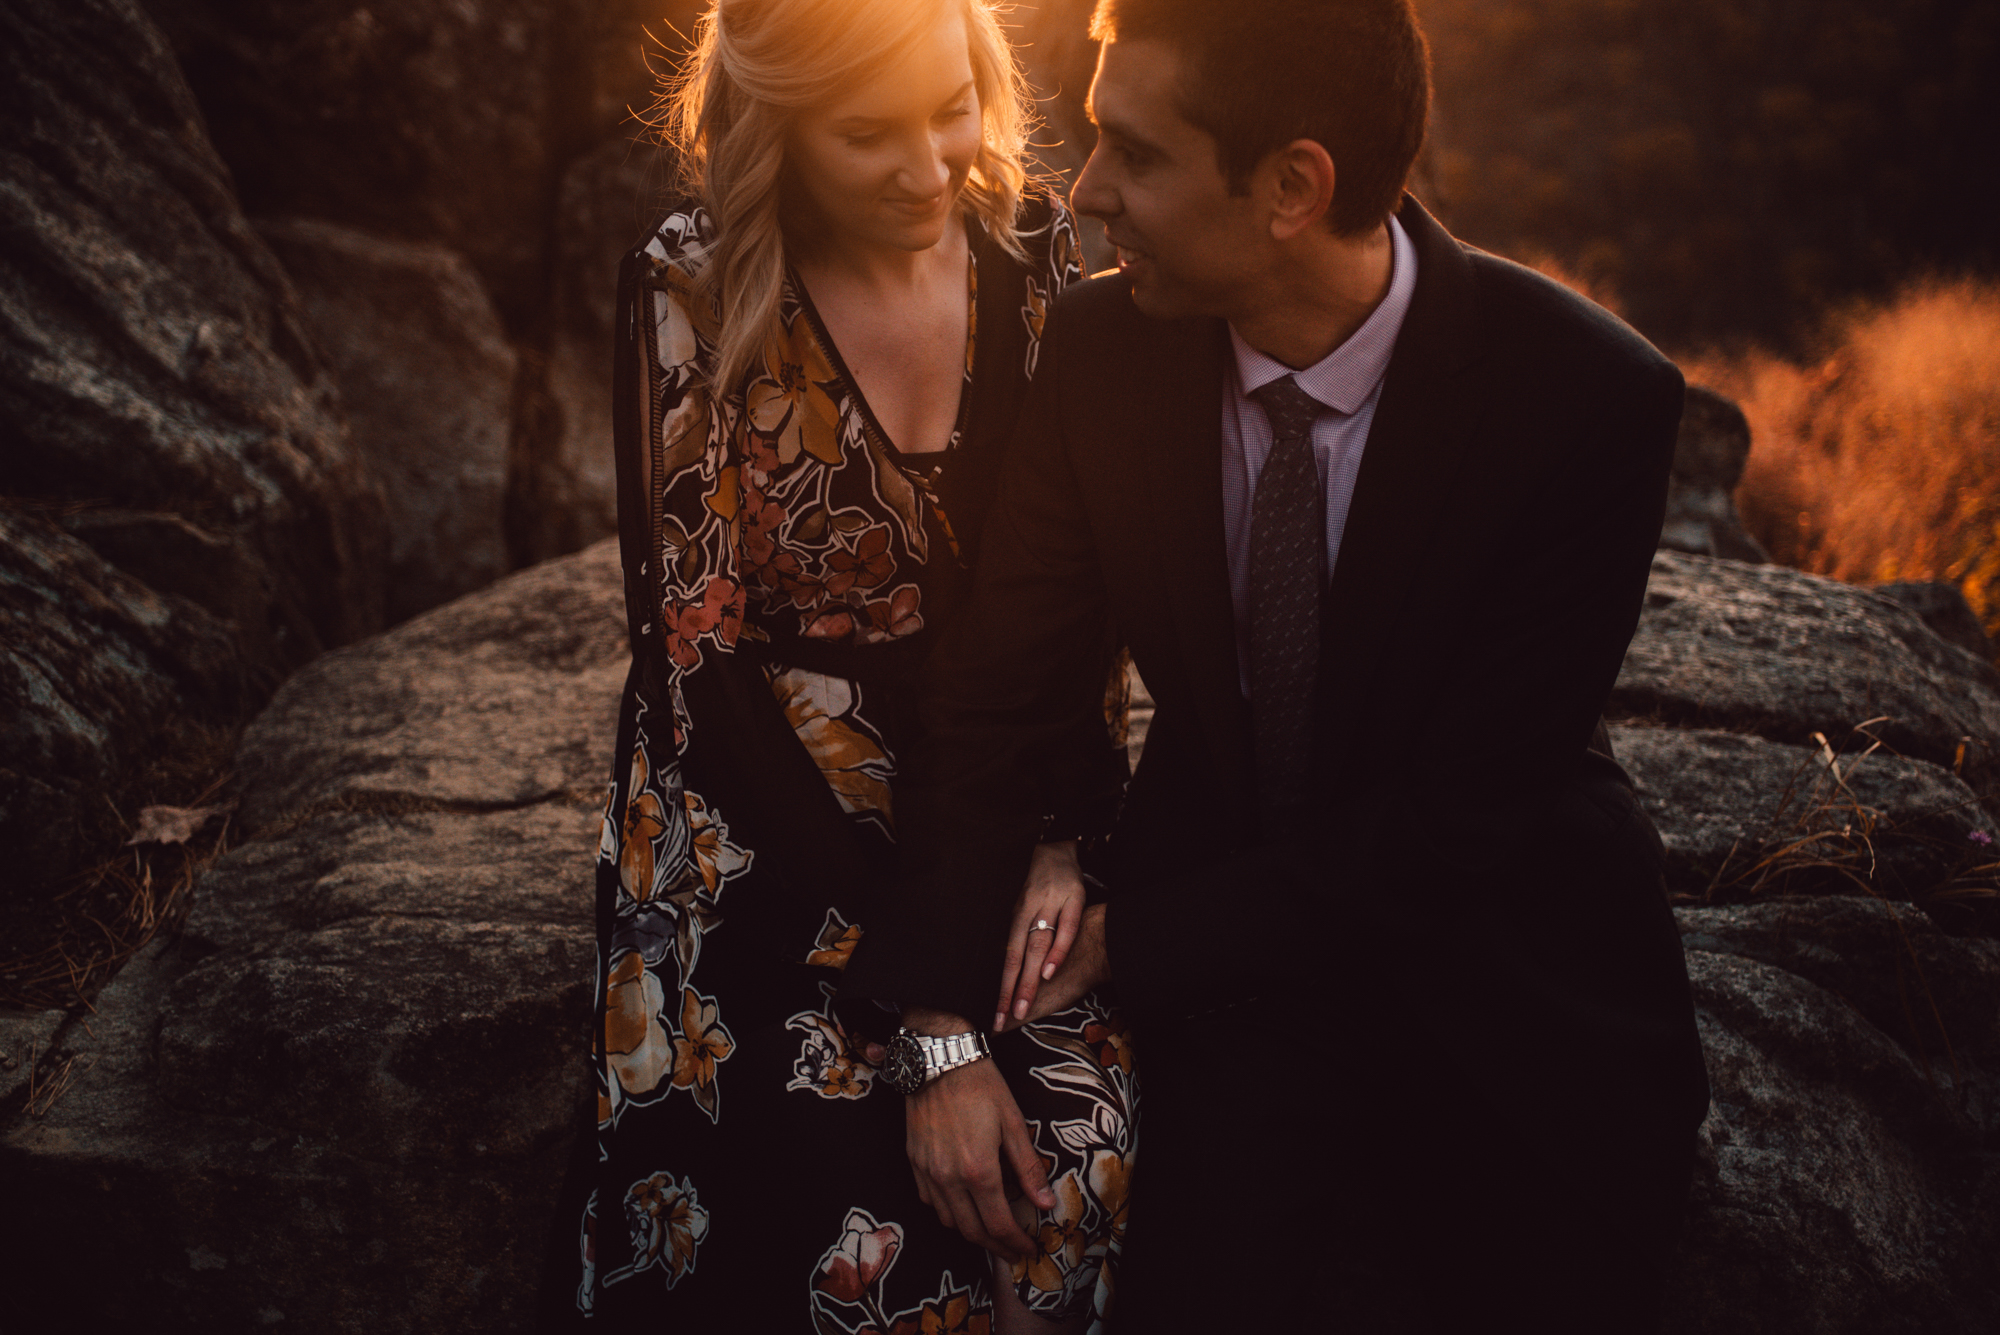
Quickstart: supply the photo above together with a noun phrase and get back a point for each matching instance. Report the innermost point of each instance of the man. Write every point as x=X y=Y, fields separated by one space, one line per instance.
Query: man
x=1374 y=513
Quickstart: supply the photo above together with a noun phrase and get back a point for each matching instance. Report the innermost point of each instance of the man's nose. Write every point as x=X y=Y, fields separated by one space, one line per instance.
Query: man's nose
x=1090 y=195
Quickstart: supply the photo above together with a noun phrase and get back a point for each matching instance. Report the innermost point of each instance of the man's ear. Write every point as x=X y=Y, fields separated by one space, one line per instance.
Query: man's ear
x=1299 y=178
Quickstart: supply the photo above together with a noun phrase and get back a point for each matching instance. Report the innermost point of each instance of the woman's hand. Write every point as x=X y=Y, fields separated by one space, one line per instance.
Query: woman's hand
x=1045 y=922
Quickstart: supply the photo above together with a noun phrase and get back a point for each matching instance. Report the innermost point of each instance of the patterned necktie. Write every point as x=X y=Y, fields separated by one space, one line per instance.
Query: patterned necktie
x=1287 y=557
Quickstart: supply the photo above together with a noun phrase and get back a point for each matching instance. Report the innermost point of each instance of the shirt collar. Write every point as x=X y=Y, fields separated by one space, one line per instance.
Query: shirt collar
x=1345 y=377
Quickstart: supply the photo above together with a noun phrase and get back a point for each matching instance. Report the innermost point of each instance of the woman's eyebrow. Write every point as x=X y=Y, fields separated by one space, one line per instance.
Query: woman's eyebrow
x=869 y=122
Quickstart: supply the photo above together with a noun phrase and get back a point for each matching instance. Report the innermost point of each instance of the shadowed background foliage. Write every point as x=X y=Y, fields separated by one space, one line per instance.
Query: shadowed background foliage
x=1731 y=167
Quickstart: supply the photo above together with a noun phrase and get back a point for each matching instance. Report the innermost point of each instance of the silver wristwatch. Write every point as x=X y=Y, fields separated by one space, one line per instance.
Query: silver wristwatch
x=915 y=1060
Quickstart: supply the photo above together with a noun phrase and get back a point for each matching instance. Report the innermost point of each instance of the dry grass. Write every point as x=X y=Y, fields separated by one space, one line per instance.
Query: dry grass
x=1881 y=461
x=1823 y=837
x=49 y=1080
x=106 y=914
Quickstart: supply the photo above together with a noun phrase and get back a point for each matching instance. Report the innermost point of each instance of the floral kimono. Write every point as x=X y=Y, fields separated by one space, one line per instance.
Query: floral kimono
x=786 y=568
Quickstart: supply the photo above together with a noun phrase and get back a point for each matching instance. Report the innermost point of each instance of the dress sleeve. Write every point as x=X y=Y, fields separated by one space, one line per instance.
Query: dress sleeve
x=679 y=548
x=680 y=494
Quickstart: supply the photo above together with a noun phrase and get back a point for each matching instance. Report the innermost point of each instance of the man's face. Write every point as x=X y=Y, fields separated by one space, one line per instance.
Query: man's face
x=1188 y=245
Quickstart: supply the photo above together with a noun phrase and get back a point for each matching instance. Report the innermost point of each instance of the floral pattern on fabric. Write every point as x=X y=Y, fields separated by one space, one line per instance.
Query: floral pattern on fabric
x=1068 y=255
x=783 y=498
x=828 y=1063
x=1090 y=1160
x=669 y=847
x=819 y=514
x=848 y=1285
x=673 y=858
x=826 y=714
x=835 y=943
x=667 y=1223
x=789 y=559
x=716 y=860
x=637 y=1042
x=701 y=596
x=586 y=1249
x=700 y=1045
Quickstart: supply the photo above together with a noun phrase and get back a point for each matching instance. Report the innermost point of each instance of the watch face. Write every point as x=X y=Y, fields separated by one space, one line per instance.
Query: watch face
x=903 y=1066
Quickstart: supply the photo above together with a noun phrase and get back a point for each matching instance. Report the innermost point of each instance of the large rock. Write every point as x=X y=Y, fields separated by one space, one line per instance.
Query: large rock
x=165 y=408
x=1709 y=455
x=24 y=1036
x=469 y=127
x=432 y=120
x=1741 y=815
x=501 y=700
x=428 y=379
x=342 y=1099
x=98 y=670
x=1846 y=1179
x=428 y=121
x=608 y=198
x=1786 y=655
x=1942 y=606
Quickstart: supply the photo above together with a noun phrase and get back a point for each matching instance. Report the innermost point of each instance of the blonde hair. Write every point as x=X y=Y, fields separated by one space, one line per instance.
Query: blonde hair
x=756 y=64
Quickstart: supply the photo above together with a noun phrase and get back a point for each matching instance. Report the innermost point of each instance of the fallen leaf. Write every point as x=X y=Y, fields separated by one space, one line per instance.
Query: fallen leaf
x=174 y=825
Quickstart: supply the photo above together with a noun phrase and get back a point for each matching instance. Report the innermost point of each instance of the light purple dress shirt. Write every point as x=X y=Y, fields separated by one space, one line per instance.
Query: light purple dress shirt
x=1348 y=381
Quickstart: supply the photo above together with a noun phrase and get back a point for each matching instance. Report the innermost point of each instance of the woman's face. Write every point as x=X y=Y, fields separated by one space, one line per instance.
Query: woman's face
x=883 y=164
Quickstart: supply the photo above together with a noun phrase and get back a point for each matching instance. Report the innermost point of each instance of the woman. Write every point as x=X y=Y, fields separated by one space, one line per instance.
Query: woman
x=819 y=361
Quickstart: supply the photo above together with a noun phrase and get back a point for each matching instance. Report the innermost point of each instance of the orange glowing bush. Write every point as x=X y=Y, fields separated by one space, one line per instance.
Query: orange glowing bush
x=1881 y=462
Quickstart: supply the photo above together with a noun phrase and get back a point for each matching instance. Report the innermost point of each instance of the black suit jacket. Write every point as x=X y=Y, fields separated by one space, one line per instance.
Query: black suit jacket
x=1474 y=869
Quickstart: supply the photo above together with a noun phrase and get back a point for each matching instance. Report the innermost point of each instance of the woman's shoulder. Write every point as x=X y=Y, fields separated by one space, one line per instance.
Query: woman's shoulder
x=679 y=236
x=668 y=259
x=1048 y=234
x=1038 y=207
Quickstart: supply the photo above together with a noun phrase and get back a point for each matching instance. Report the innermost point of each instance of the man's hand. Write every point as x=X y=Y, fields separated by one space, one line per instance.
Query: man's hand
x=1088 y=966
x=958 y=1128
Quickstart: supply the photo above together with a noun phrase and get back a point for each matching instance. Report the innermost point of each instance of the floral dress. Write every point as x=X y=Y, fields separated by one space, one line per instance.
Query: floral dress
x=786 y=570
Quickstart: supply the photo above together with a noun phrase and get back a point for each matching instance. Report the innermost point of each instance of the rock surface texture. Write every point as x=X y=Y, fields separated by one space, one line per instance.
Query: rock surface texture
x=187 y=520
x=1727 y=804
x=427 y=376
x=430 y=121
x=1784 y=654
x=608 y=198
x=468 y=128
x=1847 y=1178
x=341 y=1100
x=344 y=1095
x=97 y=671
x=1942 y=606
x=1709 y=455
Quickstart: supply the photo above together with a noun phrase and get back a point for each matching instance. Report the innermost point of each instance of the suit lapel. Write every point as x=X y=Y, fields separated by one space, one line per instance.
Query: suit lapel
x=1179 y=432
x=1420 y=433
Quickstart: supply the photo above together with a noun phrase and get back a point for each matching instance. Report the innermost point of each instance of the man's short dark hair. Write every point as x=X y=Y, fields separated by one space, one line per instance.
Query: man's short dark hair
x=1353 y=75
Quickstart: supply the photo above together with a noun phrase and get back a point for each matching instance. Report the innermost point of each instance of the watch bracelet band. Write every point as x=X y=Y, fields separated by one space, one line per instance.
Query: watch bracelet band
x=948 y=1052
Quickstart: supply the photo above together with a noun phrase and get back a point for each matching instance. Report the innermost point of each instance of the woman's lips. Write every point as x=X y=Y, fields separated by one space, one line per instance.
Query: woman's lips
x=917 y=208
